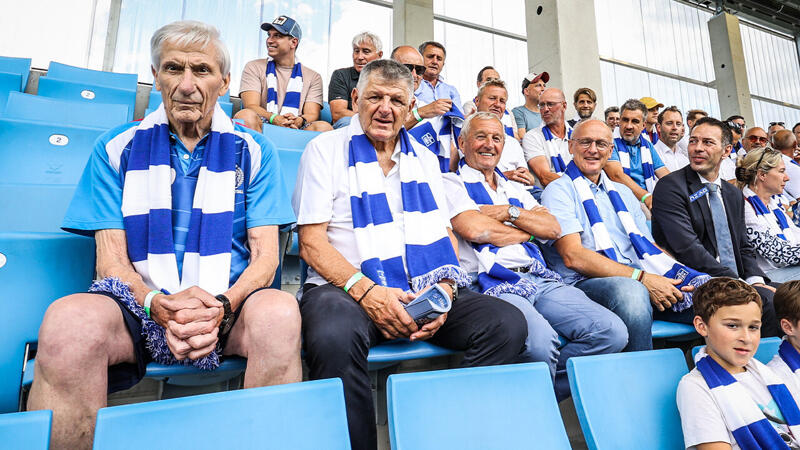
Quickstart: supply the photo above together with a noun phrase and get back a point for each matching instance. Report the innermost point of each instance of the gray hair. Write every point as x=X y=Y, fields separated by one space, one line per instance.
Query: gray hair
x=633 y=105
x=480 y=115
x=491 y=83
x=388 y=70
x=366 y=36
x=189 y=33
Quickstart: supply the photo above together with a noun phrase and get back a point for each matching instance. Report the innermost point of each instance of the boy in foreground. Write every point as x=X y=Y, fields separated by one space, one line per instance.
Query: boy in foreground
x=786 y=364
x=731 y=400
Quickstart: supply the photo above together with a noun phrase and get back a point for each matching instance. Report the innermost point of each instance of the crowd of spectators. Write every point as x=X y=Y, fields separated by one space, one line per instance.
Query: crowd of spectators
x=586 y=228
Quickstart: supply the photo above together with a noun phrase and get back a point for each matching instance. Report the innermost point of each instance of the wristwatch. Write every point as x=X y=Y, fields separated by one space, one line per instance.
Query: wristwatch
x=453 y=287
x=227 y=319
x=513 y=213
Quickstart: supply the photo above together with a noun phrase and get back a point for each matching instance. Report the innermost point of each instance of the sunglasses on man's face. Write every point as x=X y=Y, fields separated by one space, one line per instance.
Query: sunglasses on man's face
x=418 y=69
x=772 y=124
x=757 y=139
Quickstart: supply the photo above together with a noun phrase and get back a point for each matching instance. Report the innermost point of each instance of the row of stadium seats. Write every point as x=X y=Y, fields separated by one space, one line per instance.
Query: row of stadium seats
x=620 y=405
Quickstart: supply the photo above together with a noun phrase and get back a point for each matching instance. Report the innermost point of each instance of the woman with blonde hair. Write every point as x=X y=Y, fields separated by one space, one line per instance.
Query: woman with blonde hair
x=761 y=175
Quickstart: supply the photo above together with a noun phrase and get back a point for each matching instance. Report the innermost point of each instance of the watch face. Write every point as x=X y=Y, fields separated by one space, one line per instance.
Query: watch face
x=513 y=211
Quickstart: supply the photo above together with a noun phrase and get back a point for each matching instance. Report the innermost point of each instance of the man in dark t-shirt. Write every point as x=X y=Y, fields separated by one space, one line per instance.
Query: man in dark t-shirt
x=366 y=47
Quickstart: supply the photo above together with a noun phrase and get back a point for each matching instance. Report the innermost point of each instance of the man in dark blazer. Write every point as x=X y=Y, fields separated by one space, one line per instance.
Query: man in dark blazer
x=684 y=211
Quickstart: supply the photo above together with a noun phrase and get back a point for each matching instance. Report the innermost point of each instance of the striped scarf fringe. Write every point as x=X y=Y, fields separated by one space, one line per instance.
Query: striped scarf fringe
x=651 y=259
x=744 y=419
x=429 y=253
x=291 y=100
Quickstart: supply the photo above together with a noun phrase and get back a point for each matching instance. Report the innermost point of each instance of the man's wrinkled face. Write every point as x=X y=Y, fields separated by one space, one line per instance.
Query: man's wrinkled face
x=383 y=107
x=407 y=56
x=280 y=44
x=190 y=81
x=591 y=146
x=364 y=53
x=706 y=150
x=552 y=107
x=488 y=74
x=484 y=144
x=585 y=106
x=631 y=124
x=755 y=137
x=493 y=100
x=612 y=120
x=670 y=130
x=434 y=61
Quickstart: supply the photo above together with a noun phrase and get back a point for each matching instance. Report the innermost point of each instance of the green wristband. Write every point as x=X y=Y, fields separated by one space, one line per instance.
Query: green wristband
x=148 y=299
x=644 y=197
x=635 y=274
x=416 y=115
x=532 y=238
x=353 y=280
x=272 y=118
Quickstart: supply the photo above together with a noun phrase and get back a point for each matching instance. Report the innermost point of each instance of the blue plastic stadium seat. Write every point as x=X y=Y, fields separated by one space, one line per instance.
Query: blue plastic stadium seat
x=666 y=330
x=9 y=82
x=627 y=400
x=19 y=66
x=124 y=81
x=499 y=407
x=325 y=113
x=64 y=112
x=35 y=270
x=290 y=144
x=85 y=92
x=299 y=416
x=767 y=349
x=28 y=430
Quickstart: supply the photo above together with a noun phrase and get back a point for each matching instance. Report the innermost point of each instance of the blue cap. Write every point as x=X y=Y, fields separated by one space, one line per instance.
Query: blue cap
x=284 y=25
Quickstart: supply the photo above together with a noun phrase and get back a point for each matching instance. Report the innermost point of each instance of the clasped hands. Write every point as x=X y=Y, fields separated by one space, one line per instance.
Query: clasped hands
x=288 y=120
x=191 y=321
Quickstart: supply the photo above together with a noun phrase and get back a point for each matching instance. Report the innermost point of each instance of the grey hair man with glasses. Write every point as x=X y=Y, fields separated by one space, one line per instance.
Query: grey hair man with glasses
x=545 y=147
x=620 y=285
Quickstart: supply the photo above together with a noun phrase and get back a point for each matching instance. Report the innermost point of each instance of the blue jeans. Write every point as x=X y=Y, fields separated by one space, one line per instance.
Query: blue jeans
x=559 y=309
x=342 y=122
x=784 y=274
x=629 y=300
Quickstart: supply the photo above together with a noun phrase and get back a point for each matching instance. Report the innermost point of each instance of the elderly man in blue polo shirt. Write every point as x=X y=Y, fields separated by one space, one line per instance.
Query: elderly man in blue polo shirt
x=596 y=252
x=185 y=208
x=634 y=162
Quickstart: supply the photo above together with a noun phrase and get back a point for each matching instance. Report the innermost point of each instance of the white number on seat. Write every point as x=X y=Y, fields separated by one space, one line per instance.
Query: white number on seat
x=59 y=139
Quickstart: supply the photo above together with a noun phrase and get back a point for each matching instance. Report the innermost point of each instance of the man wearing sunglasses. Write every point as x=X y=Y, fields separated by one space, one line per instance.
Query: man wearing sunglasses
x=366 y=47
x=753 y=138
x=774 y=127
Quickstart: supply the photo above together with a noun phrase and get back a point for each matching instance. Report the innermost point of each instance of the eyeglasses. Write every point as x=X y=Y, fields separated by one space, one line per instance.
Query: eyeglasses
x=772 y=124
x=418 y=69
x=548 y=105
x=758 y=139
x=586 y=143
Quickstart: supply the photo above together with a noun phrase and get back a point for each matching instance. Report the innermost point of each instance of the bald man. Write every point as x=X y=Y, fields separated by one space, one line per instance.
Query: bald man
x=411 y=58
x=546 y=147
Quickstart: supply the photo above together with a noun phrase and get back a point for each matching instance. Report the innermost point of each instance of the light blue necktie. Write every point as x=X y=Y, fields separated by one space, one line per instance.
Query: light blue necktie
x=721 y=230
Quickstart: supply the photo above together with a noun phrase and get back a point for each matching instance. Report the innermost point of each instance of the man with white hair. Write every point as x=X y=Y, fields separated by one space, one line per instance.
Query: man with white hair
x=374 y=228
x=184 y=207
x=366 y=47
x=280 y=90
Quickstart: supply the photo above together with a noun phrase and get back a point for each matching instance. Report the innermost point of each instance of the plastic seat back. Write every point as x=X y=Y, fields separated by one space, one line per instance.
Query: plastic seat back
x=627 y=400
x=35 y=270
x=64 y=112
x=19 y=66
x=298 y=416
x=767 y=349
x=325 y=113
x=499 y=407
x=86 y=92
x=125 y=81
x=9 y=82
x=28 y=430
x=290 y=144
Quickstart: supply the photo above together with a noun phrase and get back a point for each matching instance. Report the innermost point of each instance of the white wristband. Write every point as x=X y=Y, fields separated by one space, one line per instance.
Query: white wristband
x=148 y=300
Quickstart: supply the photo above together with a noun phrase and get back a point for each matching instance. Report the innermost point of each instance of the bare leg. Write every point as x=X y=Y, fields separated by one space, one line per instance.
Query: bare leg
x=267 y=333
x=251 y=119
x=80 y=337
x=319 y=125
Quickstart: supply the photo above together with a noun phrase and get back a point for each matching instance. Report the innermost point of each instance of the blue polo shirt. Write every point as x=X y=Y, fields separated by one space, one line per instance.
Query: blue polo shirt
x=561 y=198
x=260 y=199
x=428 y=93
x=635 y=152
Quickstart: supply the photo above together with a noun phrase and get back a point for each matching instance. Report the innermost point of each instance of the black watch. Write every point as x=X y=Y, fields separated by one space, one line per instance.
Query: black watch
x=227 y=319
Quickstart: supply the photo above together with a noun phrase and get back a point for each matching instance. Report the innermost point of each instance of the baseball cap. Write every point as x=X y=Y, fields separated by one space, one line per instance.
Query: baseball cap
x=650 y=102
x=284 y=25
x=533 y=77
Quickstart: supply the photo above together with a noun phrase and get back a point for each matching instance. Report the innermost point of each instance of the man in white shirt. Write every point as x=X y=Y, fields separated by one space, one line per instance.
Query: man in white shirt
x=670 y=129
x=546 y=148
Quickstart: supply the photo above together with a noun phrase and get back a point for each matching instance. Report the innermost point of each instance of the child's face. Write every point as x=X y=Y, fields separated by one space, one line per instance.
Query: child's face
x=732 y=335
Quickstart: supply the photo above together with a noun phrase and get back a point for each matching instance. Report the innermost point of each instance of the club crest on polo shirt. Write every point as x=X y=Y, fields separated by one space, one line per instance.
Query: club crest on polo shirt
x=280 y=20
x=239 y=179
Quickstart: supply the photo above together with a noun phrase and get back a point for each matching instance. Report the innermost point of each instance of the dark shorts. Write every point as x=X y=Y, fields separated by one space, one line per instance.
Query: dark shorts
x=125 y=375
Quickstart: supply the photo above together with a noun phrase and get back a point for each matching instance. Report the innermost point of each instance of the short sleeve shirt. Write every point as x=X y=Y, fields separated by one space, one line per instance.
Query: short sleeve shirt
x=428 y=93
x=322 y=191
x=561 y=198
x=254 y=78
x=260 y=200
x=526 y=118
x=635 y=152
x=343 y=81
x=512 y=156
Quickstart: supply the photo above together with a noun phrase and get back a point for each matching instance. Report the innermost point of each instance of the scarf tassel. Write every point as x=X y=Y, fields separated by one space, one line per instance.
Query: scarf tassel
x=524 y=288
x=448 y=271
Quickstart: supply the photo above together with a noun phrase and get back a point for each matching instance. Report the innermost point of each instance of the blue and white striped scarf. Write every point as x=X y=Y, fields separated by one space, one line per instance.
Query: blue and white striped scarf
x=778 y=223
x=426 y=245
x=559 y=166
x=291 y=100
x=508 y=124
x=651 y=259
x=744 y=419
x=789 y=356
x=494 y=276
x=646 y=150
x=437 y=134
